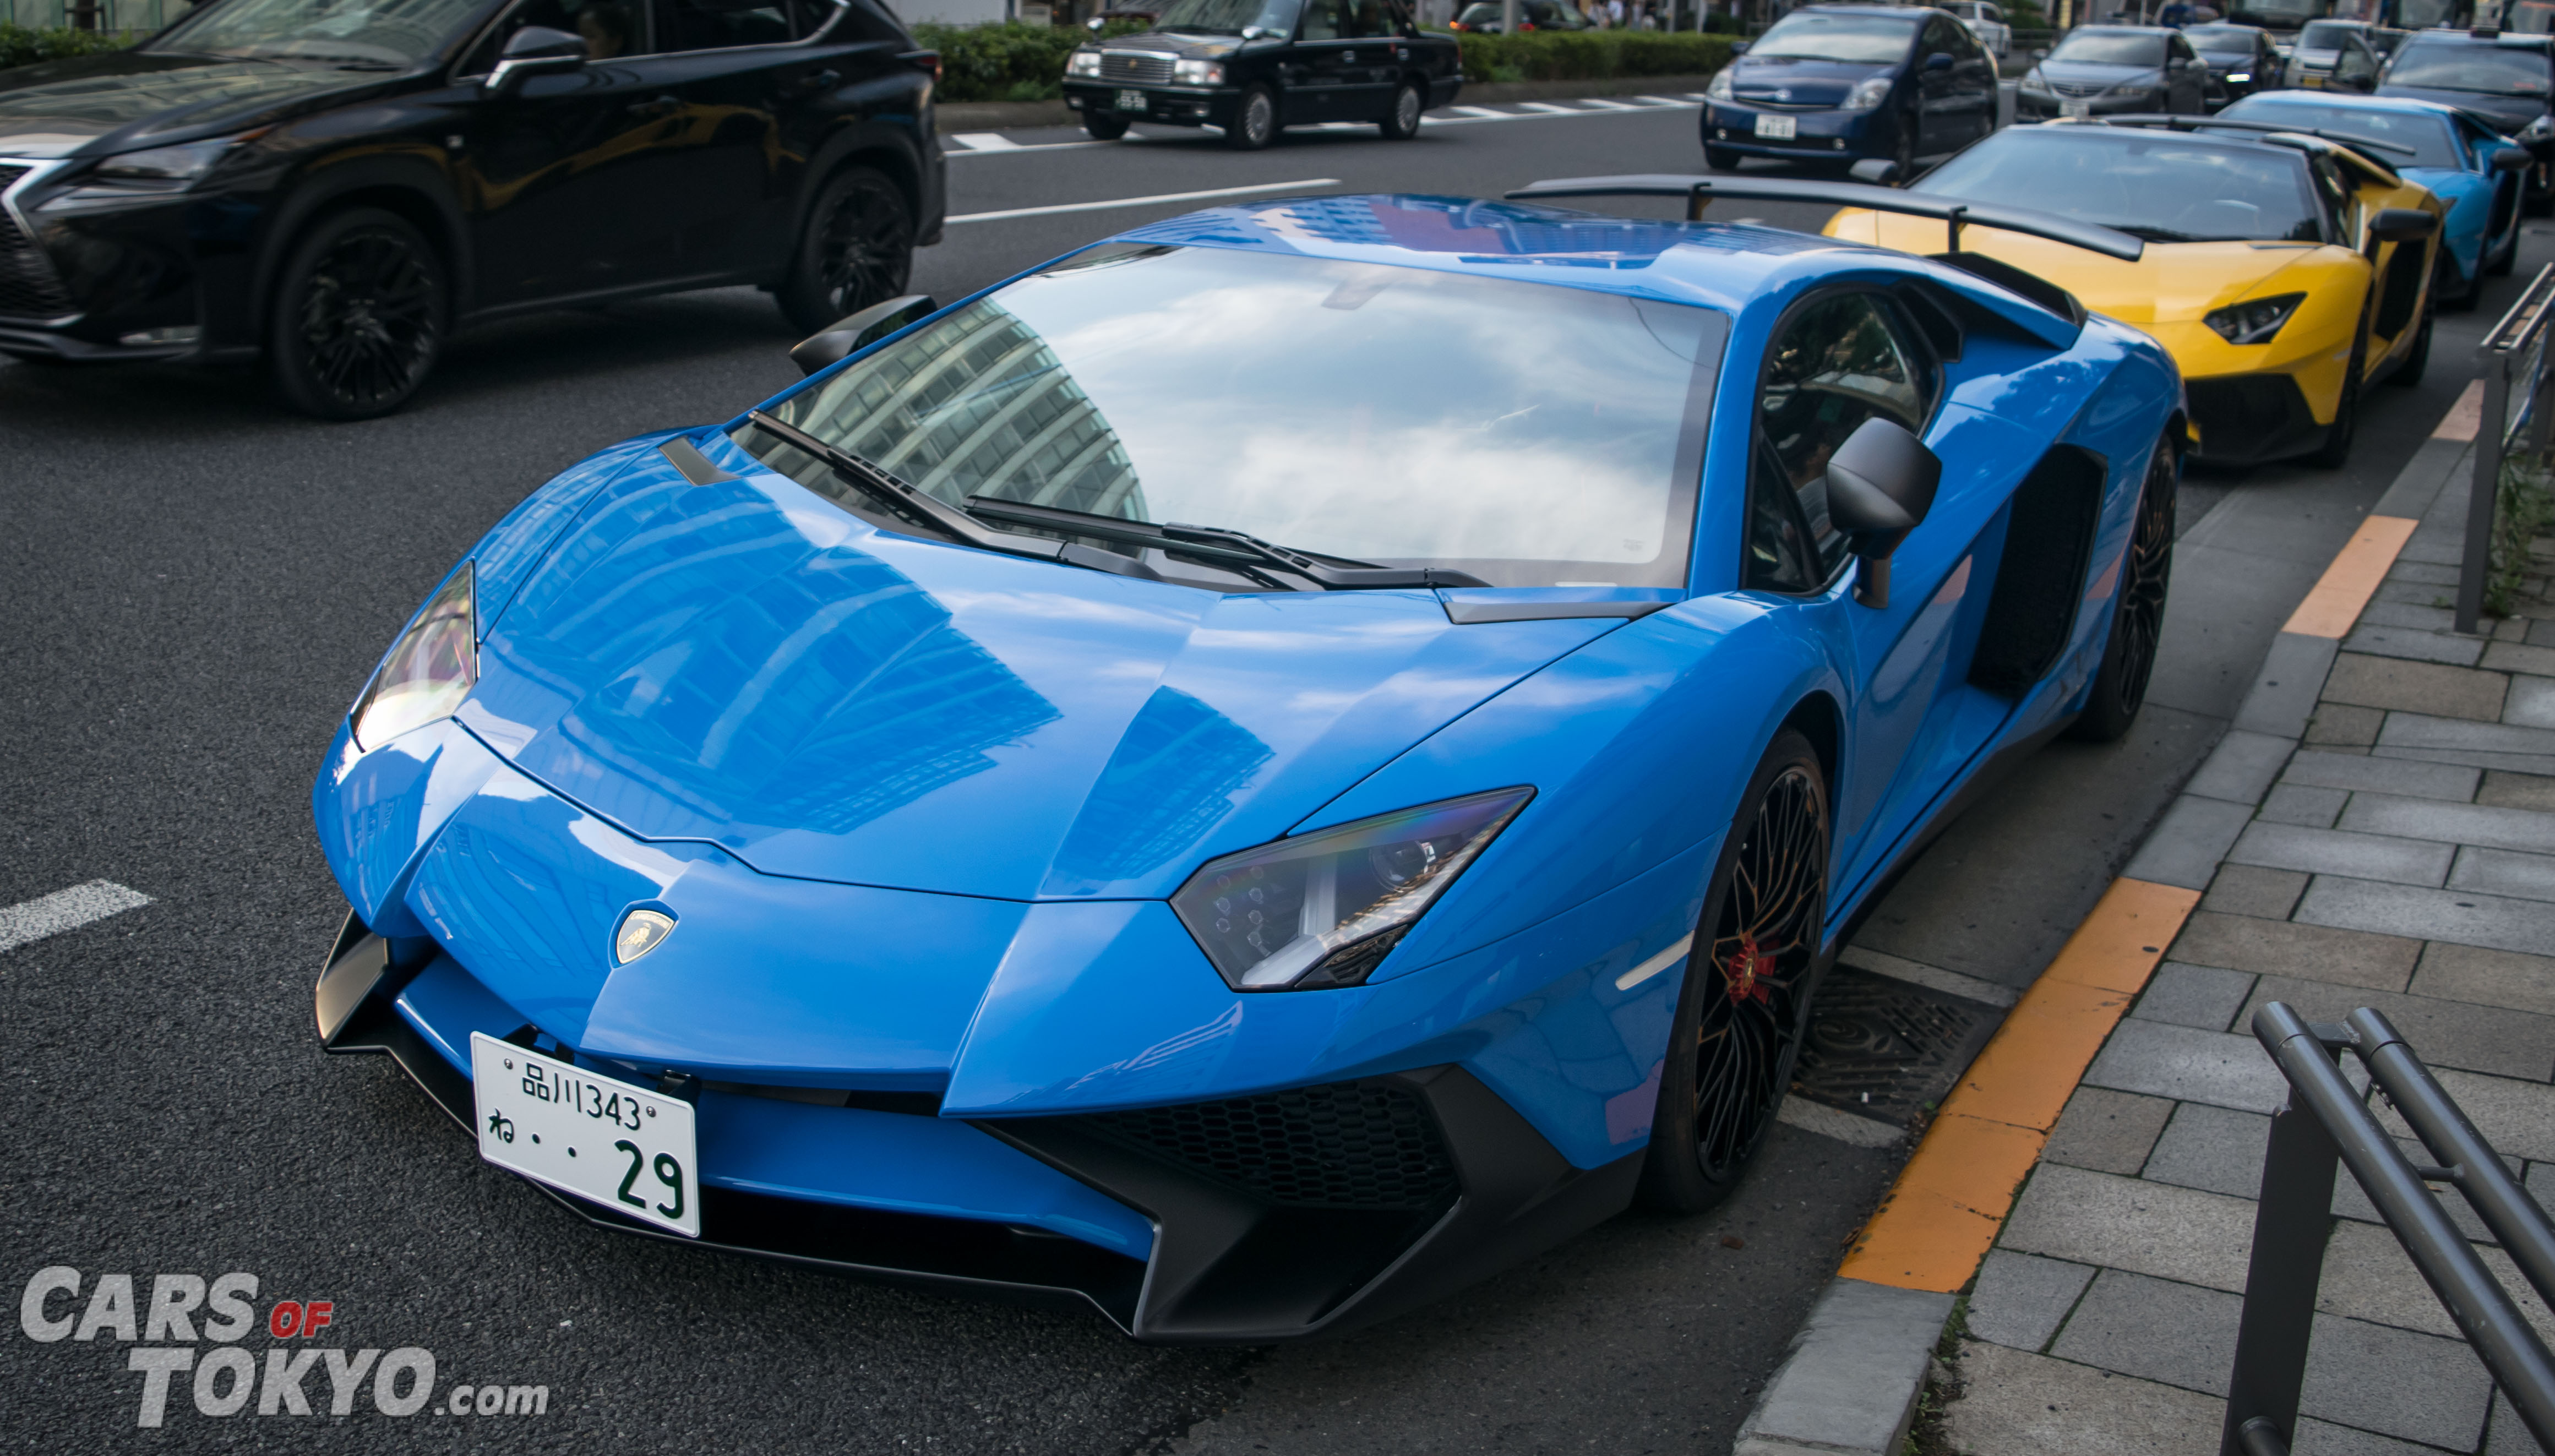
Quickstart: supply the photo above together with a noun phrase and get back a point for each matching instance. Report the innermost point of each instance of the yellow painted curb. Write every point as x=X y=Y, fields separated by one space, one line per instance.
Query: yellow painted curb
x=1943 y=1213
x=2465 y=416
x=2347 y=584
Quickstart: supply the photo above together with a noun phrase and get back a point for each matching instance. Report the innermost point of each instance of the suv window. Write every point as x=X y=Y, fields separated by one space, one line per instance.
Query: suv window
x=1938 y=37
x=611 y=28
x=716 y=25
x=1322 y=19
x=1839 y=361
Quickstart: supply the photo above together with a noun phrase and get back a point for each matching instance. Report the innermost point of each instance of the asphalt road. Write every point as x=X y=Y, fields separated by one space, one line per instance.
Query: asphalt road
x=194 y=583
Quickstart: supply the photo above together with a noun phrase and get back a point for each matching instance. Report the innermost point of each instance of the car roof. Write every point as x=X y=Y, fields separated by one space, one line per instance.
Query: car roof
x=2227 y=25
x=2125 y=29
x=2349 y=101
x=2445 y=37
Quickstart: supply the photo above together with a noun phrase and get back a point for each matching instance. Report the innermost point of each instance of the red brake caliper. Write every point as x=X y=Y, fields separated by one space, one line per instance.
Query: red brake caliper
x=1745 y=975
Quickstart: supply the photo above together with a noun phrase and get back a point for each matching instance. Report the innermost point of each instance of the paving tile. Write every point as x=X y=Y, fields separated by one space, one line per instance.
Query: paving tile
x=2203 y=996
x=2414 y=687
x=2284 y=691
x=2513 y=657
x=2508 y=1434
x=2155 y=1329
x=2186 y=844
x=2532 y=702
x=2368 y=1276
x=2251 y=890
x=2216 y=1149
x=2020 y=1299
x=2449 y=823
x=2341 y=724
x=2303 y=804
x=2405 y=614
x=2450 y=781
x=2362 y=856
x=2504 y=872
x=2398 y=1383
x=2542 y=633
x=2188 y=1065
x=2426 y=573
x=2242 y=767
x=2133 y=1224
x=2281 y=948
x=2466 y=916
x=2509 y=791
x=2415 y=643
x=2444 y=1034
x=2324 y=1438
x=2351 y=1201
x=2018 y=1403
x=2518 y=762
x=2508 y=978
x=2517 y=1117
x=2420 y=592
x=2417 y=729
x=2107 y=1130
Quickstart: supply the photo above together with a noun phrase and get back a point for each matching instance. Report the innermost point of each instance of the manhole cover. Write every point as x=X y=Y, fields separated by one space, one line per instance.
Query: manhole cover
x=1883 y=1048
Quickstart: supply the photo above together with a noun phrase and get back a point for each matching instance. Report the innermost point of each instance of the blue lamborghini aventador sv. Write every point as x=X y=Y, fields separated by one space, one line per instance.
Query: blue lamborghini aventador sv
x=1259 y=771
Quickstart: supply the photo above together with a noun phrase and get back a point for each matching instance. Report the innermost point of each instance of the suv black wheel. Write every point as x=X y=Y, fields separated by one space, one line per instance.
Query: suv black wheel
x=1104 y=126
x=1720 y=159
x=857 y=248
x=358 y=317
x=1748 y=985
x=2335 y=452
x=1401 y=123
x=1255 y=121
x=2137 y=614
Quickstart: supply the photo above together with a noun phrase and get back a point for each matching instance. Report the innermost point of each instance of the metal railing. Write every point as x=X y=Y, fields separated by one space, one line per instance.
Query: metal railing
x=2326 y=1122
x=2514 y=404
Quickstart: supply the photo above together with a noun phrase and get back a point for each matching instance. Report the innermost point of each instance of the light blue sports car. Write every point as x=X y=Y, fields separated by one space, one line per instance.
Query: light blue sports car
x=1257 y=772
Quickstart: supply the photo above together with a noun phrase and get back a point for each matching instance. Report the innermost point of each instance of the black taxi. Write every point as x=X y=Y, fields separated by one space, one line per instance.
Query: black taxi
x=1253 y=66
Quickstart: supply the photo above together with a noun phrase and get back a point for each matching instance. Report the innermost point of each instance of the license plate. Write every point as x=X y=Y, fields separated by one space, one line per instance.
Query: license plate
x=626 y=1147
x=1131 y=101
x=1777 y=128
x=2075 y=108
x=2311 y=83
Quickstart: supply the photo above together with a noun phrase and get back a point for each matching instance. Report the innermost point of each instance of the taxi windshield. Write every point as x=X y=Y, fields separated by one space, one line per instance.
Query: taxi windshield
x=2326 y=34
x=1230 y=17
x=1525 y=433
x=2162 y=188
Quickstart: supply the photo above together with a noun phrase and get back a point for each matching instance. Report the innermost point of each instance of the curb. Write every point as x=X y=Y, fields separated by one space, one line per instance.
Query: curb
x=1850 y=1382
x=995 y=116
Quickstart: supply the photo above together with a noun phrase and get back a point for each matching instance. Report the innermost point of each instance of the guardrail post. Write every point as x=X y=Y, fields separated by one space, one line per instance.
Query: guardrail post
x=2290 y=1227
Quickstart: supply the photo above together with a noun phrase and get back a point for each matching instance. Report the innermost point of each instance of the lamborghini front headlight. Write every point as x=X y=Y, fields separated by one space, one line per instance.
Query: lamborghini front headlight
x=429 y=669
x=1324 y=910
x=2255 y=320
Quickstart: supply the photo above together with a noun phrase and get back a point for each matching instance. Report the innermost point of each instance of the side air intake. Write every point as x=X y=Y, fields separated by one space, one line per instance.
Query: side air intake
x=2048 y=542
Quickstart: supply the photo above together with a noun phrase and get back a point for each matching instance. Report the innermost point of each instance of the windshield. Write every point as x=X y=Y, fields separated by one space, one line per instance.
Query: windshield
x=1230 y=17
x=2433 y=144
x=2110 y=48
x=2222 y=42
x=2494 y=71
x=2323 y=34
x=1530 y=435
x=2163 y=187
x=386 y=34
x=2278 y=13
x=1869 y=39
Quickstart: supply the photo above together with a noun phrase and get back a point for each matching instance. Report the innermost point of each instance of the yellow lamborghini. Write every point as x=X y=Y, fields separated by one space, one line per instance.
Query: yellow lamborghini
x=2284 y=272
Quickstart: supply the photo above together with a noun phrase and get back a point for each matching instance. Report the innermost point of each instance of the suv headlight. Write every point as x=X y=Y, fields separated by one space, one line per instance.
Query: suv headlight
x=1083 y=62
x=166 y=163
x=1718 y=88
x=1868 y=95
x=1324 y=911
x=2254 y=321
x=429 y=671
x=1197 y=73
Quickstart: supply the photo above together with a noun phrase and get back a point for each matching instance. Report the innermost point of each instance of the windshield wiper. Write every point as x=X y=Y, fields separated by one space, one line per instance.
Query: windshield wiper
x=919 y=506
x=1232 y=549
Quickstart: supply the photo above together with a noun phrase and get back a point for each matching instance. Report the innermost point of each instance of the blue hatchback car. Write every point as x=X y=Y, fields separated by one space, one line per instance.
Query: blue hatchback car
x=2460 y=157
x=1838 y=84
x=1252 y=775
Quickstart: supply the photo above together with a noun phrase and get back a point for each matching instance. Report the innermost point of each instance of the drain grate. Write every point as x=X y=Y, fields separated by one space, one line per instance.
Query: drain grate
x=1883 y=1048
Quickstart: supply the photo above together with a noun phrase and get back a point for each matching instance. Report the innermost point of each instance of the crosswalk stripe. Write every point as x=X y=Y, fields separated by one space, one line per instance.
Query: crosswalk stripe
x=1471 y=111
x=65 y=909
x=985 y=142
x=1102 y=207
x=1545 y=106
x=1658 y=100
x=1604 y=103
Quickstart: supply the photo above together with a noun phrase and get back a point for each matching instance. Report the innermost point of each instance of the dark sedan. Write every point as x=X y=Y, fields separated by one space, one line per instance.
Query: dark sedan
x=2098 y=70
x=1254 y=67
x=1841 y=83
x=2242 y=60
x=2509 y=81
x=336 y=188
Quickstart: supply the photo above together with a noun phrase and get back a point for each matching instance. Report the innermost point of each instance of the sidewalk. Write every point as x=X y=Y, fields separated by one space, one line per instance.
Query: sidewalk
x=2378 y=830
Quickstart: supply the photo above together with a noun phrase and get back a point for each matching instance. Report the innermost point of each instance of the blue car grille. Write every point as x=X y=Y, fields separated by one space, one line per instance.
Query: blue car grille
x=1349 y=1145
x=29 y=286
x=1117 y=66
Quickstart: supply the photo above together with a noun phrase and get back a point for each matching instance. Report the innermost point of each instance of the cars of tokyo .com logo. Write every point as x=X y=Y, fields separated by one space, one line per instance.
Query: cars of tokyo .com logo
x=186 y=1333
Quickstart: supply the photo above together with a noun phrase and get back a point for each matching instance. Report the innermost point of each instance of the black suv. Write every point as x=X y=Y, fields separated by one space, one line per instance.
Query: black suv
x=336 y=184
x=1254 y=66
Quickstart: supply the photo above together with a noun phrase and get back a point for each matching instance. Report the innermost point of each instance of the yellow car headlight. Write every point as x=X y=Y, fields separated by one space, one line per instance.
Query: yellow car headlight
x=2255 y=320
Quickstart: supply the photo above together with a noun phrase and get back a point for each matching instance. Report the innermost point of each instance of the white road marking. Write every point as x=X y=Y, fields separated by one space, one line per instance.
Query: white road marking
x=1658 y=100
x=1442 y=116
x=985 y=142
x=1827 y=1122
x=1285 y=187
x=1473 y=110
x=65 y=909
x=1656 y=964
x=1548 y=107
x=1607 y=103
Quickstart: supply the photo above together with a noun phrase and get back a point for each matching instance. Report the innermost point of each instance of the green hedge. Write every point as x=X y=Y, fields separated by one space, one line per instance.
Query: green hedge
x=1011 y=61
x=1548 y=56
x=20 y=46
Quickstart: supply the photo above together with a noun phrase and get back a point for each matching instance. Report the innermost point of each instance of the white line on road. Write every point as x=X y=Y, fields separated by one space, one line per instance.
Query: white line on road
x=1442 y=116
x=1549 y=107
x=1474 y=110
x=1285 y=187
x=1607 y=103
x=65 y=909
x=985 y=142
x=1659 y=101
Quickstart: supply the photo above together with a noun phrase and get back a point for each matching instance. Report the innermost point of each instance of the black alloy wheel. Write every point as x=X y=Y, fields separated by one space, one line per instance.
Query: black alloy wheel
x=2137 y=615
x=857 y=248
x=1747 y=986
x=359 y=315
x=1720 y=159
x=1401 y=123
x=1255 y=120
x=1104 y=126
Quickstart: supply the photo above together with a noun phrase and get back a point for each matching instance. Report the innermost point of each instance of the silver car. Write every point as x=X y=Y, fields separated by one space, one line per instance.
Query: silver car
x=1986 y=22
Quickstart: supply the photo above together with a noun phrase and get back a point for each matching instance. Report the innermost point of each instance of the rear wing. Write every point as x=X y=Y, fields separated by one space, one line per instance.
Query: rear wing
x=2272 y=131
x=1952 y=213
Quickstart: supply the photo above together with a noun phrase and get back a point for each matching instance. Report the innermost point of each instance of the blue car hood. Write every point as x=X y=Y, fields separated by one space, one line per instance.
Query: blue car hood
x=745 y=663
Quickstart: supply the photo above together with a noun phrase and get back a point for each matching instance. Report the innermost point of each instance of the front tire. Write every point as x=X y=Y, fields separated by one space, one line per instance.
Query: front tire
x=1748 y=984
x=1401 y=123
x=1720 y=159
x=1104 y=126
x=359 y=315
x=856 y=249
x=2335 y=452
x=2137 y=614
x=1255 y=121
x=2409 y=373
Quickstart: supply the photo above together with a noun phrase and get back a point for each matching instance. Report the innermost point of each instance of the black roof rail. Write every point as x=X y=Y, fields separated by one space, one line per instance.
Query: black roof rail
x=1953 y=212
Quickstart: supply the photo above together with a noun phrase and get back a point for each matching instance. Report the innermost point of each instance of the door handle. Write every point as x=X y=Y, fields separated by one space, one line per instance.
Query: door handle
x=660 y=106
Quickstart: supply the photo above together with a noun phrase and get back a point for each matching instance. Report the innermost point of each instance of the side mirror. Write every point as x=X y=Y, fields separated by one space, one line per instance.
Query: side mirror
x=2040 y=53
x=1739 y=48
x=2511 y=159
x=1093 y=24
x=1879 y=171
x=1939 y=60
x=2402 y=225
x=857 y=331
x=1880 y=484
x=533 y=51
